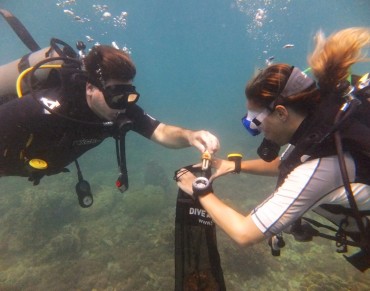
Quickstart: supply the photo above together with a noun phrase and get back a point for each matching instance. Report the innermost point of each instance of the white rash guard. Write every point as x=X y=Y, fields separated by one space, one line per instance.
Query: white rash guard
x=311 y=184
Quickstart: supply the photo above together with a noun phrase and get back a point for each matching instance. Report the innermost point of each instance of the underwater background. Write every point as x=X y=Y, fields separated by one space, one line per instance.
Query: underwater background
x=193 y=59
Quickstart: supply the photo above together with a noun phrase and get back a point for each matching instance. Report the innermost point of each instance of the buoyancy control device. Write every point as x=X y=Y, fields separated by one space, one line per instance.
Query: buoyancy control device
x=350 y=131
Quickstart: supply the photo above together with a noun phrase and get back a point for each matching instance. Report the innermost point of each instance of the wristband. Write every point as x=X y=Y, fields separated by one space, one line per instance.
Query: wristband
x=237 y=158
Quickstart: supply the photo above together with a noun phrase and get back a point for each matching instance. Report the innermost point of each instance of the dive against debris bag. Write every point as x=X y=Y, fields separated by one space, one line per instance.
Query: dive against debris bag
x=197 y=261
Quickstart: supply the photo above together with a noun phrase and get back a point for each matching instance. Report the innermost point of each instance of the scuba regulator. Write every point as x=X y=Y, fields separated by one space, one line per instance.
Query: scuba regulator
x=268 y=150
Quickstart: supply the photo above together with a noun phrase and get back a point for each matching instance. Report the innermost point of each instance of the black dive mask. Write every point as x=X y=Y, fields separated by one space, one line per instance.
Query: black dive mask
x=120 y=96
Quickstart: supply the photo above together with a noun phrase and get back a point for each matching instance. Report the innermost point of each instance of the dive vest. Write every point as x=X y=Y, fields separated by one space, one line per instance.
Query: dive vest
x=324 y=134
x=316 y=136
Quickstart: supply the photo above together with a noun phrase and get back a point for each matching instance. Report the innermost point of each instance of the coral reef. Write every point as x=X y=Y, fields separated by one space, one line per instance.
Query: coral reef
x=41 y=214
x=155 y=175
x=148 y=201
x=126 y=242
x=66 y=244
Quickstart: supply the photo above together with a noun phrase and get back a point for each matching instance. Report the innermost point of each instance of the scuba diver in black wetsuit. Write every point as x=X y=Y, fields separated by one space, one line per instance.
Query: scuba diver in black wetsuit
x=81 y=103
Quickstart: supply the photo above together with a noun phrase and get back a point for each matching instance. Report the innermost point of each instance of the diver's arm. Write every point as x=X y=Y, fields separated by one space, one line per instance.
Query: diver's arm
x=254 y=167
x=239 y=227
x=176 y=137
x=260 y=167
x=171 y=136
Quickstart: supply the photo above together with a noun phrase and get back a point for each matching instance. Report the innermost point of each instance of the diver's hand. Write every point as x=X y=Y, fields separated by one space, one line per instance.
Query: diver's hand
x=204 y=140
x=176 y=137
x=222 y=168
x=184 y=179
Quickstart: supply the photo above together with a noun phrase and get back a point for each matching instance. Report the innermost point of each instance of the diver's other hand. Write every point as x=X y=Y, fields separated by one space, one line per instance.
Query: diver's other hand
x=222 y=168
x=184 y=179
x=204 y=140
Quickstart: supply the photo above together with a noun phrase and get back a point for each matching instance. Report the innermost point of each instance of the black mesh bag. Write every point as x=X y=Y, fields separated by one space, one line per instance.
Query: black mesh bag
x=197 y=261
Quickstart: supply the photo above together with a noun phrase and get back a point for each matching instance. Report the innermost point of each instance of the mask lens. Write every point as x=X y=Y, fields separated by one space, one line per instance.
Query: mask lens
x=132 y=97
x=250 y=126
x=119 y=96
x=252 y=121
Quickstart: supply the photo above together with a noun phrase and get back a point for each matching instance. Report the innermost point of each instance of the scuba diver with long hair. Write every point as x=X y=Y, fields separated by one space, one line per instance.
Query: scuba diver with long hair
x=326 y=165
x=74 y=111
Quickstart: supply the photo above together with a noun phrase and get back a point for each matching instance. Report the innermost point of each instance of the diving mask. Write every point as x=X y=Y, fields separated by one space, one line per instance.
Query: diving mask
x=253 y=120
x=119 y=96
x=297 y=82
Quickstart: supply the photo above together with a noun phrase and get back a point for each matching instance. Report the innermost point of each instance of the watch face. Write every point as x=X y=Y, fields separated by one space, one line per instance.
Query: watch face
x=201 y=183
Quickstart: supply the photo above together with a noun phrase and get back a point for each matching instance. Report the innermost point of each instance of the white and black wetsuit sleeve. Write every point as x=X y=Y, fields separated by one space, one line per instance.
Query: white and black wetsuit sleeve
x=143 y=123
x=308 y=186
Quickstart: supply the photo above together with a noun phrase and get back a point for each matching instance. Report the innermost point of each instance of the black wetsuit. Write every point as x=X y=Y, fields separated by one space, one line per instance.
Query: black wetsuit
x=28 y=131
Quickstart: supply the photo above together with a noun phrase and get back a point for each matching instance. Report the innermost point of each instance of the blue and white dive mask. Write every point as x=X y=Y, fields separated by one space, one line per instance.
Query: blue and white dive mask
x=297 y=82
x=253 y=120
